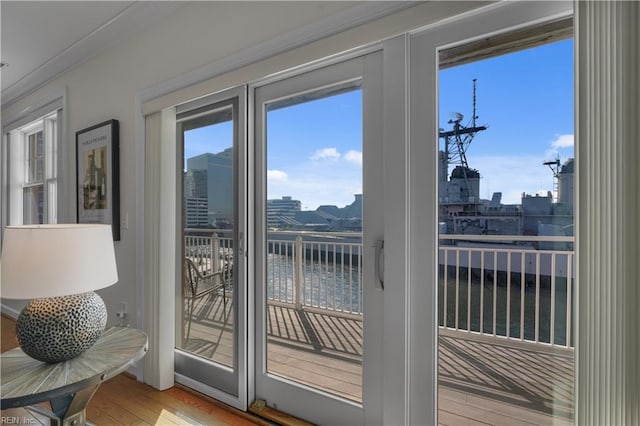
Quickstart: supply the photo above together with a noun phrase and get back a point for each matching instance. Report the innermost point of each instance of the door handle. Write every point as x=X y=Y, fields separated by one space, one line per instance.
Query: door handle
x=380 y=264
x=241 y=250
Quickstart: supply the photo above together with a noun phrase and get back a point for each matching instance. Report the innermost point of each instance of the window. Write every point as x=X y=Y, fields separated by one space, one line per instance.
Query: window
x=32 y=165
x=506 y=247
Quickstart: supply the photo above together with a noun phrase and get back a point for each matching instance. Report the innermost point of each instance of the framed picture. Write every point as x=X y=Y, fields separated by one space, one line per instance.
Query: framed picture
x=98 y=175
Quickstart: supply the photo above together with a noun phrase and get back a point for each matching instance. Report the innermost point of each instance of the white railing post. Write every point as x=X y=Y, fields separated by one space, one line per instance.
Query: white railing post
x=214 y=256
x=298 y=271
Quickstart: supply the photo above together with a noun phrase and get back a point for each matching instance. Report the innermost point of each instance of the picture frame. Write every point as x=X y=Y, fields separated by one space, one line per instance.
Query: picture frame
x=98 y=175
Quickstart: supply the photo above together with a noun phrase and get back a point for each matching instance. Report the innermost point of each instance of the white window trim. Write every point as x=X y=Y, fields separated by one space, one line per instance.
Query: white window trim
x=11 y=122
x=18 y=168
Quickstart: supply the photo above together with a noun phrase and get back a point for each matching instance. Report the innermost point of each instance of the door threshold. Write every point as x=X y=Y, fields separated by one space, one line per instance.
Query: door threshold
x=260 y=408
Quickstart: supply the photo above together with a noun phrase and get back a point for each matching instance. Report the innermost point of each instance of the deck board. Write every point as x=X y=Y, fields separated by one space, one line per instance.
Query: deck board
x=480 y=382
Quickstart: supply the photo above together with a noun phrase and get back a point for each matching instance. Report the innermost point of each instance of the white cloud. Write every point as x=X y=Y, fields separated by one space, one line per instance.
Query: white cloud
x=353 y=156
x=563 y=141
x=277 y=175
x=560 y=142
x=315 y=183
x=512 y=175
x=326 y=153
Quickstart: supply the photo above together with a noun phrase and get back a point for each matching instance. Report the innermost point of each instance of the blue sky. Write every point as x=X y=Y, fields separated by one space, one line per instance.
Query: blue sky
x=315 y=151
x=212 y=139
x=525 y=99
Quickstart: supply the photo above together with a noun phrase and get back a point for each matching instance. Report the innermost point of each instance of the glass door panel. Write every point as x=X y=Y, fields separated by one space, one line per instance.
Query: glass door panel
x=208 y=328
x=314 y=239
x=312 y=271
x=506 y=245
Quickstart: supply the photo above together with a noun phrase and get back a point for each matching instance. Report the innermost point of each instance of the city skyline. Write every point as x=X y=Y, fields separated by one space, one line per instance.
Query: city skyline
x=525 y=98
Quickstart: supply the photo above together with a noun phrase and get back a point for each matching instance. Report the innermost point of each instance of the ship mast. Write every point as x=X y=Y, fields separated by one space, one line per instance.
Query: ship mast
x=459 y=138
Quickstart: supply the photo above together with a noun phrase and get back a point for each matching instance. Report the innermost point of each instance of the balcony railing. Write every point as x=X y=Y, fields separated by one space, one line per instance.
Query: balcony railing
x=319 y=270
x=513 y=287
x=517 y=288
x=210 y=249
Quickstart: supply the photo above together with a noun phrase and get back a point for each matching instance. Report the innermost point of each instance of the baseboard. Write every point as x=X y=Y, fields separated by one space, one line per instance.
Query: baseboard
x=9 y=312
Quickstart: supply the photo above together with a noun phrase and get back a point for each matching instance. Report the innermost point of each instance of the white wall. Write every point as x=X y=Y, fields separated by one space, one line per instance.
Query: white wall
x=197 y=35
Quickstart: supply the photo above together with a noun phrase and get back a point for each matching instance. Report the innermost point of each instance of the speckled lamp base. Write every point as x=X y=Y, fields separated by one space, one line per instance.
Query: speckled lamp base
x=57 y=329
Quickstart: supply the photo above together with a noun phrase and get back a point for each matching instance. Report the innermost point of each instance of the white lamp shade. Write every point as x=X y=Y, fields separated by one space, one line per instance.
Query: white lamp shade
x=41 y=261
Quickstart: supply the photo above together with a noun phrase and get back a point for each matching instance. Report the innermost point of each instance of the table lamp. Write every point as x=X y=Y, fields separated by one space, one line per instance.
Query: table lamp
x=58 y=267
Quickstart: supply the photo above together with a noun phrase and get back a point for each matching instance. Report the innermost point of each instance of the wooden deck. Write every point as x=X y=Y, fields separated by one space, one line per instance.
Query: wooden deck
x=480 y=382
x=484 y=382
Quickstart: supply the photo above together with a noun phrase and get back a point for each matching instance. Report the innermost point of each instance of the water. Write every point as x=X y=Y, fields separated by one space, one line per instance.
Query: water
x=329 y=285
x=507 y=301
x=338 y=286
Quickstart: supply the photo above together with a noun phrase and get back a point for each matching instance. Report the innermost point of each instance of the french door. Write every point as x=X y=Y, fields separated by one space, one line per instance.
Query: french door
x=211 y=298
x=318 y=221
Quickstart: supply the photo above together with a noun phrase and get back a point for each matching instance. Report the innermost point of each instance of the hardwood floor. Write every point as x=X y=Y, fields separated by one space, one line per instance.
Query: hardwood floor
x=7 y=328
x=125 y=401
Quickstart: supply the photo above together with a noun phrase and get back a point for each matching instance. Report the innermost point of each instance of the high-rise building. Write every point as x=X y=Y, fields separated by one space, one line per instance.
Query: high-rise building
x=196 y=211
x=196 y=206
x=195 y=183
x=211 y=177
